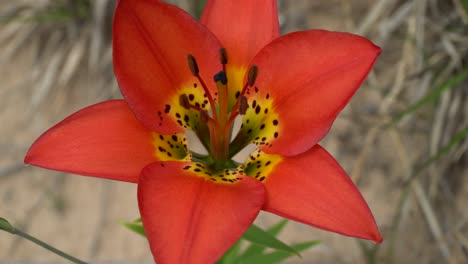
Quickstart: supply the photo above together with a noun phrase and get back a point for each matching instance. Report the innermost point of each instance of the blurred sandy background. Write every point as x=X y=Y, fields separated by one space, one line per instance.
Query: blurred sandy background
x=55 y=58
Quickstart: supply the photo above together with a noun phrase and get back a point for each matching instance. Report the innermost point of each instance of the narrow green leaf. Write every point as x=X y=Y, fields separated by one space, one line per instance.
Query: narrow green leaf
x=199 y=6
x=450 y=83
x=255 y=249
x=278 y=256
x=452 y=143
x=137 y=228
x=277 y=228
x=258 y=236
x=231 y=256
x=6 y=226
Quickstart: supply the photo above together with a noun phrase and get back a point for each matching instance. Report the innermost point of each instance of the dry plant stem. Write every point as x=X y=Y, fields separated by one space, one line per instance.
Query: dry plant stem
x=373 y=15
x=420 y=194
x=396 y=89
x=52 y=184
x=103 y=211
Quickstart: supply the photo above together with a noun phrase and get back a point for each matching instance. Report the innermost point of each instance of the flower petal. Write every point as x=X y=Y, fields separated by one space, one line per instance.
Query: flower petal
x=309 y=76
x=151 y=41
x=190 y=219
x=243 y=26
x=103 y=140
x=313 y=189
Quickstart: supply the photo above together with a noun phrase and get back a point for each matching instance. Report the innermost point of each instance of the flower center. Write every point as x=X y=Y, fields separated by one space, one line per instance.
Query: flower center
x=220 y=119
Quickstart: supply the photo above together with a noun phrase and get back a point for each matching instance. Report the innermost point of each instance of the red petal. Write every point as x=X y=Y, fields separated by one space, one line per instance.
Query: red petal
x=243 y=26
x=151 y=41
x=104 y=140
x=189 y=219
x=311 y=76
x=313 y=189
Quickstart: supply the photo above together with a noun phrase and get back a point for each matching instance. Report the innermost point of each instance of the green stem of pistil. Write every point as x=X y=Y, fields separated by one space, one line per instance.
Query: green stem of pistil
x=15 y=231
x=220 y=135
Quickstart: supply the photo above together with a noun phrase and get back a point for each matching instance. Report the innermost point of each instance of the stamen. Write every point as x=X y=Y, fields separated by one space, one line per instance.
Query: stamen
x=243 y=105
x=204 y=116
x=253 y=72
x=184 y=101
x=192 y=63
x=223 y=56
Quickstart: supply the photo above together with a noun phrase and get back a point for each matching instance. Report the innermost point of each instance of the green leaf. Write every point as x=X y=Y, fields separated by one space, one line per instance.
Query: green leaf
x=278 y=256
x=6 y=226
x=465 y=5
x=255 y=249
x=231 y=256
x=258 y=236
x=135 y=227
x=450 y=83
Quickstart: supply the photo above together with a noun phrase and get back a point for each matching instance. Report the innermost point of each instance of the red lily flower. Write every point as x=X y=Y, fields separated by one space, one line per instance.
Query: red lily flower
x=287 y=89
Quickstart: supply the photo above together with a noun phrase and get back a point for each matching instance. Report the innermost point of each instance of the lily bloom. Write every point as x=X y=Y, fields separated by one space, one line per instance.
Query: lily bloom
x=177 y=74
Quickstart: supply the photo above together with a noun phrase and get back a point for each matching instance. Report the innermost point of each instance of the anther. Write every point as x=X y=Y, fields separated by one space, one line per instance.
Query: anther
x=243 y=105
x=220 y=77
x=253 y=71
x=184 y=101
x=223 y=56
x=204 y=117
x=192 y=63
